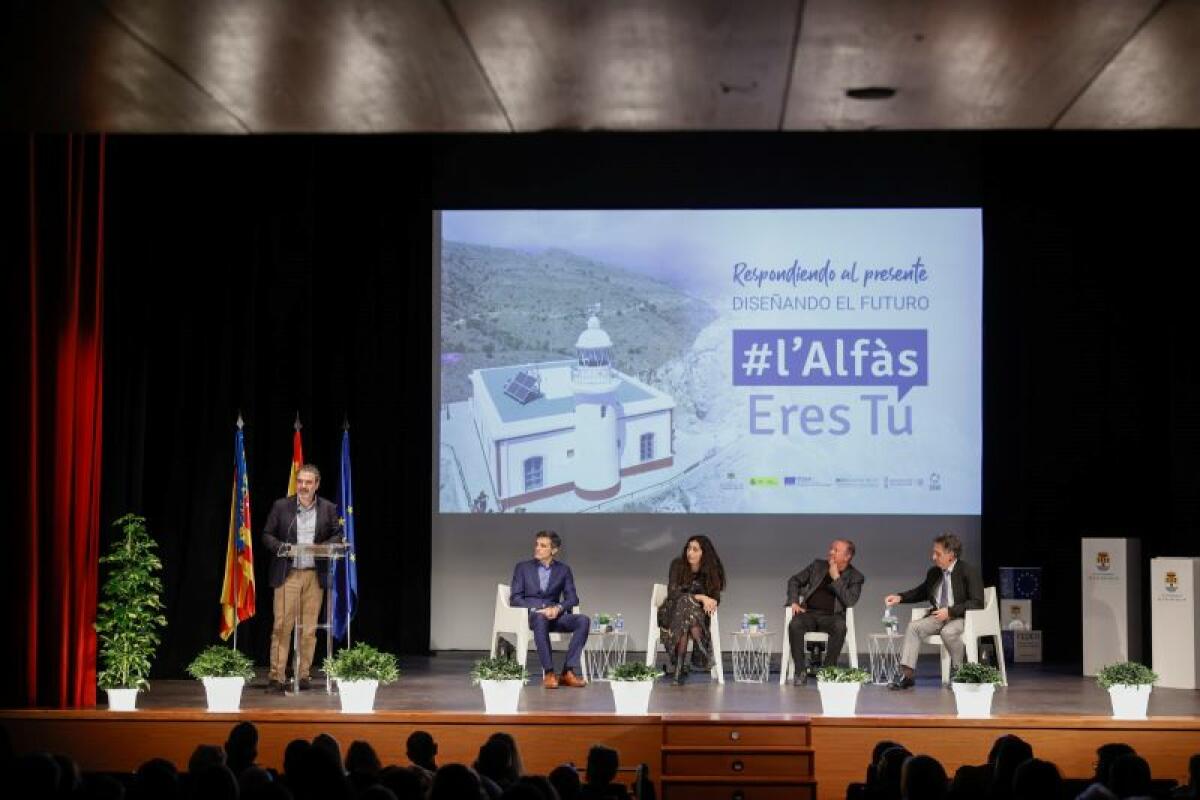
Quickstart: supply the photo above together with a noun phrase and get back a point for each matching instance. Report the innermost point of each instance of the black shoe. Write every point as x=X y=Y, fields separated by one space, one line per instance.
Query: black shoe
x=800 y=679
x=305 y=684
x=274 y=687
x=903 y=682
x=680 y=672
x=505 y=649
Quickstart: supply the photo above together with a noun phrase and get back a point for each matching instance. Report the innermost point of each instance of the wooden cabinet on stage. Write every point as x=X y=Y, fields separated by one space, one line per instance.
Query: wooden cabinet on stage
x=768 y=760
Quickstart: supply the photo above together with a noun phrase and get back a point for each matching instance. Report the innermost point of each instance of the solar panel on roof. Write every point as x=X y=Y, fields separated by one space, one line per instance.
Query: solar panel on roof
x=523 y=387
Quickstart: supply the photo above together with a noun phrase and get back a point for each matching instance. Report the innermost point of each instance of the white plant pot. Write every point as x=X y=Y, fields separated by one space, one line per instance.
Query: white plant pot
x=1129 y=701
x=501 y=697
x=358 y=697
x=752 y=628
x=632 y=697
x=838 y=699
x=974 y=699
x=224 y=694
x=122 y=699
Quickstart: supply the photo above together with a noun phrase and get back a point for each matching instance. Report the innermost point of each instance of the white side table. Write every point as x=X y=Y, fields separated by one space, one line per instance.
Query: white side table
x=603 y=651
x=752 y=656
x=884 y=649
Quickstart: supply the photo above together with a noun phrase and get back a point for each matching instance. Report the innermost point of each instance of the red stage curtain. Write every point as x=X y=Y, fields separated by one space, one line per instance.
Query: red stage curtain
x=63 y=373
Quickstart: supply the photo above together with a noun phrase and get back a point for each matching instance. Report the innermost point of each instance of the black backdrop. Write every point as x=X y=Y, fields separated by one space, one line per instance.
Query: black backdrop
x=270 y=276
x=284 y=274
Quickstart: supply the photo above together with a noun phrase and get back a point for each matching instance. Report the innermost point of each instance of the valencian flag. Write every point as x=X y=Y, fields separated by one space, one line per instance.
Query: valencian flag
x=297 y=457
x=344 y=586
x=237 y=590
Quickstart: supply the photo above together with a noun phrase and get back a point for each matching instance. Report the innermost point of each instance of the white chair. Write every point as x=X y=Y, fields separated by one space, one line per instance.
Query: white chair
x=658 y=596
x=977 y=622
x=515 y=620
x=787 y=667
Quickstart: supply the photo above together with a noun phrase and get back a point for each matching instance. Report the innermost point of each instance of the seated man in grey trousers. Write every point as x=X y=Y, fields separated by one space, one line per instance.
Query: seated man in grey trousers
x=951 y=588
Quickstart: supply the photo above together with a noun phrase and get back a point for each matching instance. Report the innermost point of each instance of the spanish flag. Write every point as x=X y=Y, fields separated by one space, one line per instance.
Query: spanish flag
x=297 y=457
x=237 y=590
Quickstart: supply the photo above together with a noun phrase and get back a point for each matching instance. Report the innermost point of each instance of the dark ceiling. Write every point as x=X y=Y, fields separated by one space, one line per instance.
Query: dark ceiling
x=527 y=65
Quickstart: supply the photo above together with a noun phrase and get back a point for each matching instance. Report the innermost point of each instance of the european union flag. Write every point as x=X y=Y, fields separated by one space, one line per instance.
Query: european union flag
x=1021 y=583
x=344 y=586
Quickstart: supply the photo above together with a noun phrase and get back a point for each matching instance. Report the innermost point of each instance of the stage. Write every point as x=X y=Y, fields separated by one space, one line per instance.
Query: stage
x=765 y=740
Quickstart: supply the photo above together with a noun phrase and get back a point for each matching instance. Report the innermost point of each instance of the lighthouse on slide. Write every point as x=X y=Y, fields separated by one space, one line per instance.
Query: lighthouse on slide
x=576 y=426
x=594 y=384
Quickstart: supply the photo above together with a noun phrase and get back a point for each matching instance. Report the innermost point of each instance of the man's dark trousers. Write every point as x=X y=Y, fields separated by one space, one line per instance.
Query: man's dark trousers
x=811 y=621
x=575 y=624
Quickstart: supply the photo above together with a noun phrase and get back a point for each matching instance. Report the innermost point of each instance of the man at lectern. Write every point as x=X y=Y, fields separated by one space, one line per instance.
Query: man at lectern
x=547 y=588
x=951 y=588
x=299 y=581
x=819 y=596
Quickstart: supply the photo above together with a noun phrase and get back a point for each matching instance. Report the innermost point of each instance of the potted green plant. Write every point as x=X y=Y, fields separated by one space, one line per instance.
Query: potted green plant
x=359 y=671
x=501 y=680
x=224 y=671
x=974 y=685
x=838 y=687
x=632 y=683
x=754 y=622
x=1129 y=685
x=603 y=622
x=128 y=615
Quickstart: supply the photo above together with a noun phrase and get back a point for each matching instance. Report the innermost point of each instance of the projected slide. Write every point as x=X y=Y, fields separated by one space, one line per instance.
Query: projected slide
x=765 y=361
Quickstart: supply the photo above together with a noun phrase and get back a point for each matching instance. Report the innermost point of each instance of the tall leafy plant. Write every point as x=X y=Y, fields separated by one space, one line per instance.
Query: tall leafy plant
x=129 y=613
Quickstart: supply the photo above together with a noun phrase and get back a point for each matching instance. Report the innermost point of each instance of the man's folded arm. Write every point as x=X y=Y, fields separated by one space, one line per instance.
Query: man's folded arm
x=848 y=587
x=272 y=542
x=516 y=595
x=569 y=598
x=973 y=582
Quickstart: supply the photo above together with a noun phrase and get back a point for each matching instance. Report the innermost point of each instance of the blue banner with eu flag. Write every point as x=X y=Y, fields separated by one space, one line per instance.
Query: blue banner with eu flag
x=1021 y=583
x=344 y=586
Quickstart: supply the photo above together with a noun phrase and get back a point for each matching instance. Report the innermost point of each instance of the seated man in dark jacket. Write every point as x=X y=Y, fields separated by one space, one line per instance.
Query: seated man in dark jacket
x=950 y=589
x=546 y=587
x=819 y=596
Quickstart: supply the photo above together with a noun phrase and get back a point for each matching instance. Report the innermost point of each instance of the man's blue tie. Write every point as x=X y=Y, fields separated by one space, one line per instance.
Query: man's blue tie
x=944 y=594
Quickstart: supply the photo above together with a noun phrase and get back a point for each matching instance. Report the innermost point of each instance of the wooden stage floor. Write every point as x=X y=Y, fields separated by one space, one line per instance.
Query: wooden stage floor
x=1063 y=715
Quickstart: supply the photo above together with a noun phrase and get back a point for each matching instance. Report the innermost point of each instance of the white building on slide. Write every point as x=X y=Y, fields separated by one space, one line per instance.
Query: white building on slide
x=562 y=426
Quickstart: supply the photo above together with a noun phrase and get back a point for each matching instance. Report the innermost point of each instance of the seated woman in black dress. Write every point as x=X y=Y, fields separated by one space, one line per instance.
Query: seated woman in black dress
x=693 y=592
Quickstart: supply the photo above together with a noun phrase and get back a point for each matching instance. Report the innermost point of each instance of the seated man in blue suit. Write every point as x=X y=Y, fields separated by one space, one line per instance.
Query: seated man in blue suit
x=547 y=588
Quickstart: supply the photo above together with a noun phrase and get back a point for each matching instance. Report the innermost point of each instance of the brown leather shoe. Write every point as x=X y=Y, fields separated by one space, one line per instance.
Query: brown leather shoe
x=550 y=680
x=569 y=678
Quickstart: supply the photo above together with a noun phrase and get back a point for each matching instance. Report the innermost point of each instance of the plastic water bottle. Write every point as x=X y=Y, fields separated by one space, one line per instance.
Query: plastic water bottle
x=890 y=623
x=745 y=622
x=620 y=624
